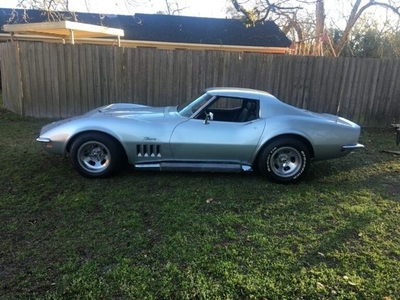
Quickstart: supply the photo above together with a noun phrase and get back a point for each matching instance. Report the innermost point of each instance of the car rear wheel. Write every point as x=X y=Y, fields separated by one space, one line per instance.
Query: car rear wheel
x=284 y=160
x=96 y=155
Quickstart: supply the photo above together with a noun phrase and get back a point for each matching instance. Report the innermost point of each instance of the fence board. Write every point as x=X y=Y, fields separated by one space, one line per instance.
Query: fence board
x=26 y=83
x=69 y=80
x=32 y=110
x=89 y=77
x=336 y=85
x=393 y=103
x=82 y=71
x=382 y=89
x=12 y=94
x=373 y=84
x=62 y=90
x=53 y=90
x=352 y=89
x=56 y=80
x=96 y=77
x=328 y=78
x=48 y=81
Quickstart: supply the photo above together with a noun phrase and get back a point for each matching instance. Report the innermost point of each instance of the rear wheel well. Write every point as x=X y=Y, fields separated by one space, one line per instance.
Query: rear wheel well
x=293 y=136
x=71 y=141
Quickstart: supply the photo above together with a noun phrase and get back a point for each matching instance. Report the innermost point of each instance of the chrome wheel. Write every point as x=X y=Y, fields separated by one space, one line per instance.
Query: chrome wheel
x=94 y=156
x=286 y=162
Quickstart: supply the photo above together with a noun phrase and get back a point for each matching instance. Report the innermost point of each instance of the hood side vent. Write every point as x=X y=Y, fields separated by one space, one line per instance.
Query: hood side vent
x=148 y=150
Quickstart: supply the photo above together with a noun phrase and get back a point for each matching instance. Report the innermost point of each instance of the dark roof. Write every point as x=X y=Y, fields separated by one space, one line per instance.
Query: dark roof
x=167 y=28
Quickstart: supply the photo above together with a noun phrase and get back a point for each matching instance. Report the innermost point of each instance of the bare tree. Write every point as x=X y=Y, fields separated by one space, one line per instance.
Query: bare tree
x=173 y=7
x=295 y=16
x=358 y=8
x=44 y=4
x=52 y=8
x=265 y=9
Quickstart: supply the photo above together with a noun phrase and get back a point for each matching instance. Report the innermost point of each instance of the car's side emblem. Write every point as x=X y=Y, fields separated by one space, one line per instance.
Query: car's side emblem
x=149 y=139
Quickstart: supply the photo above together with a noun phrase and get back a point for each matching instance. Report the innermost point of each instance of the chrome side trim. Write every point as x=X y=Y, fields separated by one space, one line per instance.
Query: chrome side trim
x=194 y=167
x=154 y=166
x=200 y=167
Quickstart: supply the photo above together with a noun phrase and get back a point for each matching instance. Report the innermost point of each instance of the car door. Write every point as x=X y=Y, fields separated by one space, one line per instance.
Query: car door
x=214 y=140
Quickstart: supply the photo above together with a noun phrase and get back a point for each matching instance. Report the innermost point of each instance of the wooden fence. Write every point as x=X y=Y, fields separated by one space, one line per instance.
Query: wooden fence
x=55 y=80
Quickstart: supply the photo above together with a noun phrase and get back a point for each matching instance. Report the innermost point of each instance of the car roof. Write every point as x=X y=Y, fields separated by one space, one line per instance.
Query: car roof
x=237 y=92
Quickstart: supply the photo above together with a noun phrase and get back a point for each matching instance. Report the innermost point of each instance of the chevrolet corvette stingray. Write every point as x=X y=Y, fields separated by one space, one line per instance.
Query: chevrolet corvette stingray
x=223 y=130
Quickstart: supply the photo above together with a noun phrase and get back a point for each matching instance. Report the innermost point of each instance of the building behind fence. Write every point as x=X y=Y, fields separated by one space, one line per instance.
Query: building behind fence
x=56 y=80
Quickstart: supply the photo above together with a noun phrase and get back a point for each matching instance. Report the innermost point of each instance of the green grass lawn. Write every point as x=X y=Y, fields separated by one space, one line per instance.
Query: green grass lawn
x=143 y=235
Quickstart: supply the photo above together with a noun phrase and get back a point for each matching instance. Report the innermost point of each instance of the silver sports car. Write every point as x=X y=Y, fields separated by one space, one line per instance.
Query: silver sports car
x=223 y=130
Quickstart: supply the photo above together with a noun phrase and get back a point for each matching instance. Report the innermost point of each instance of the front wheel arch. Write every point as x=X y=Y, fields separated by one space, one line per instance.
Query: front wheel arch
x=73 y=138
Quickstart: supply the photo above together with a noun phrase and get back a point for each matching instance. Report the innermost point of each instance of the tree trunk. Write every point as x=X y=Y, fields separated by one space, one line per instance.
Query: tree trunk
x=319 y=26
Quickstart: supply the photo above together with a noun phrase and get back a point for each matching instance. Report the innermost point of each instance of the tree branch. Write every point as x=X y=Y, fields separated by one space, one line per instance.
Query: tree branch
x=275 y=6
x=355 y=14
x=241 y=9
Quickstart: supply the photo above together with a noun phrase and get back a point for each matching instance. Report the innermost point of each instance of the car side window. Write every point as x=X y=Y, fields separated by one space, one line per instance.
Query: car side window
x=226 y=103
x=230 y=109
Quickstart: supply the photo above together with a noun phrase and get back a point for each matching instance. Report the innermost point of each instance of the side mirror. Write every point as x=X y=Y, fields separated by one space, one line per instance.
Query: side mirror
x=209 y=116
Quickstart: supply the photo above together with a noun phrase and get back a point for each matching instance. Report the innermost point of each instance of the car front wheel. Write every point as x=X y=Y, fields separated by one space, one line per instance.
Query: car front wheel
x=284 y=160
x=95 y=155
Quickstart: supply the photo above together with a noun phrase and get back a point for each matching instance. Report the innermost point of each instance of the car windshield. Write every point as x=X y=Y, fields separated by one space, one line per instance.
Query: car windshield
x=189 y=108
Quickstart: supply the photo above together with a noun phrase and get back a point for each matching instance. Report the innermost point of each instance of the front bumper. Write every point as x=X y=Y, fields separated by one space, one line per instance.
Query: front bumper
x=43 y=140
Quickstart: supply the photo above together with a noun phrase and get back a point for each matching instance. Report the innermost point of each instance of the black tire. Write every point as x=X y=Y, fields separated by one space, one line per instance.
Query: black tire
x=284 y=160
x=96 y=155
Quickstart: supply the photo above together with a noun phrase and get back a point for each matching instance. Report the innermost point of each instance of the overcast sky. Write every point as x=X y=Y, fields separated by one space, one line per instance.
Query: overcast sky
x=203 y=8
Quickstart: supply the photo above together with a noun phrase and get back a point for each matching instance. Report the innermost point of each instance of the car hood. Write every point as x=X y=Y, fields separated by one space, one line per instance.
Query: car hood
x=128 y=110
x=120 y=110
